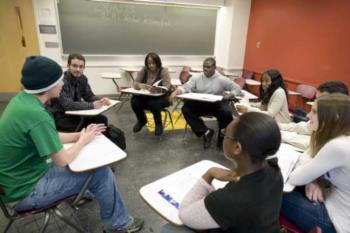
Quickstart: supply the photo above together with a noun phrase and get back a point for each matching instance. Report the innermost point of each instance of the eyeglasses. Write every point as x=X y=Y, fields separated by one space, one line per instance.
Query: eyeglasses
x=78 y=66
x=228 y=137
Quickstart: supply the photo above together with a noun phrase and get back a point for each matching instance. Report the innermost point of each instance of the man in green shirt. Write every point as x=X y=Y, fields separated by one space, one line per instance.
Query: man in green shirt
x=33 y=162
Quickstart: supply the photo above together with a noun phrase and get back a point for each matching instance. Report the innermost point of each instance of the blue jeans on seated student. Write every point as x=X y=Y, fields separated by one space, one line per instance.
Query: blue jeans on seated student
x=60 y=182
x=168 y=228
x=306 y=214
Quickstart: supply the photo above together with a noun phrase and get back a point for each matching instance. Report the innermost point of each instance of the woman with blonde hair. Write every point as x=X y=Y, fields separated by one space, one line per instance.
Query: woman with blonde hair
x=326 y=202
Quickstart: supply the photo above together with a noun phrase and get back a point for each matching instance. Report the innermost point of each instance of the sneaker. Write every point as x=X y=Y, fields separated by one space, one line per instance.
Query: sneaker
x=207 y=138
x=159 y=130
x=134 y=227
x=137 y=127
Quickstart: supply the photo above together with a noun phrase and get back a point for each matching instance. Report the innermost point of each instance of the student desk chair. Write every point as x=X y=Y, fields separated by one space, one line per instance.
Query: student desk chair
x=90 y=112
x=114 y=77
x=49 y=210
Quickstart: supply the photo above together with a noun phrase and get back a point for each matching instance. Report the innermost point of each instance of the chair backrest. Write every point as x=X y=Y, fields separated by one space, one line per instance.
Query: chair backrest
x=306 y=91
x=240 y=82
x=299 y=115
x=248 y=74
x=290 y=227
x=287 y=225
x=185 y=74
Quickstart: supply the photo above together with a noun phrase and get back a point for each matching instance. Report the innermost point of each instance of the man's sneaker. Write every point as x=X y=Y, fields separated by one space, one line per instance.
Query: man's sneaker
x=207 y=137
x=159 y=130
x=134 y=227
x=137 y=127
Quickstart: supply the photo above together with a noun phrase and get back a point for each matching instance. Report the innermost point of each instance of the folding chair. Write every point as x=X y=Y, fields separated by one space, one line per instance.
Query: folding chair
x=49 y=210
x=167 y=114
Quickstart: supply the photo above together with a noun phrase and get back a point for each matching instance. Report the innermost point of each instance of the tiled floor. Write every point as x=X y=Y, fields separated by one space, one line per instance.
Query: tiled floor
x=149 y=158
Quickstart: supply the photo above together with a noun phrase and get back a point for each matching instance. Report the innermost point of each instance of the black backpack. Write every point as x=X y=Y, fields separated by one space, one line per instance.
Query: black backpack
x=116 y=135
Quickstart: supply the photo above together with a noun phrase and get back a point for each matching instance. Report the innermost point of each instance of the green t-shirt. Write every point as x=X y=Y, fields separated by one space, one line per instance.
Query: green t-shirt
x=28 y=137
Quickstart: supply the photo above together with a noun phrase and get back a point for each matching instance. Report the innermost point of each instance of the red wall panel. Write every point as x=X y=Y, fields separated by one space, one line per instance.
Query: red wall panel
x=307 y=40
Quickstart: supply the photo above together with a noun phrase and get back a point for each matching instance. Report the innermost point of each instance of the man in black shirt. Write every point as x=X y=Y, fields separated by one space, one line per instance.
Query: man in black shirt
x=76 y=94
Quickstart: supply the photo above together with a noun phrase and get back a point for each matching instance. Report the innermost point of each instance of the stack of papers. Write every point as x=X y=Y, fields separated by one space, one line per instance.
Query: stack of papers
x=201 y=97
x=93 y=112
x=287 y=159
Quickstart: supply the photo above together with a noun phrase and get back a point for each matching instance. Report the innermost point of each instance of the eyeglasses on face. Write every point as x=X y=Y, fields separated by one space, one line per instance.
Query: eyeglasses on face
x=229 y=137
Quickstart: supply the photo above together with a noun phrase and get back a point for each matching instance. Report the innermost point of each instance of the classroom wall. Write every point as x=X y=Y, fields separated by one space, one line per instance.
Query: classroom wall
x=46 y=13
x=308 y=41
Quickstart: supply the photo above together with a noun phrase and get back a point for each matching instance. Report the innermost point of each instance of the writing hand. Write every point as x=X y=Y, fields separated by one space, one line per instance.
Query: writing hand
x=106 y=101
x=98 y=104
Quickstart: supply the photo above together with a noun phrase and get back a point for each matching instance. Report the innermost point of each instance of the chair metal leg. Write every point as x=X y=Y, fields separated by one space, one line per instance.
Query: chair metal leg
x=74 y=204
x=171 y=118
x=81 y=122
x=183 y=137
x=46 y=221
x=165 y=118
x=58 y=213
x=8 y=225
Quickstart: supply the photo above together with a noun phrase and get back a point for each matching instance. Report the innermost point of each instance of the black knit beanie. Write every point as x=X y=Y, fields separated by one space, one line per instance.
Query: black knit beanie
x=40 y=74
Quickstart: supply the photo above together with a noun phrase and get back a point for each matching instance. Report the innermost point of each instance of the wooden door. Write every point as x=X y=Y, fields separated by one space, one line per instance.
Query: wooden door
x=18 y=39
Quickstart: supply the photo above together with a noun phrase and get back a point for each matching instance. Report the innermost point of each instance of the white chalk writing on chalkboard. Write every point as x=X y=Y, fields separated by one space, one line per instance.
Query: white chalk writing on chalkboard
x=128 y=14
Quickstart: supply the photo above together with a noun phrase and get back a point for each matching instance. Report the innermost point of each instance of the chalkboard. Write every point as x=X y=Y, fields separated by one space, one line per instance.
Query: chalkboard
x=90 y=27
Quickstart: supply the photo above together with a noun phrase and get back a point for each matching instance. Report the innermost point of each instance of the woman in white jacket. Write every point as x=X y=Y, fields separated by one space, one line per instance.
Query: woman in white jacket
x=274 y=97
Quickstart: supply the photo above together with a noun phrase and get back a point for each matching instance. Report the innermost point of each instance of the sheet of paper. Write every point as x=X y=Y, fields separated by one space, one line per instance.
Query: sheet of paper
x=99 y=152
x=201 y=97
x=287 y=158
x=93 y=112
x=140 y=92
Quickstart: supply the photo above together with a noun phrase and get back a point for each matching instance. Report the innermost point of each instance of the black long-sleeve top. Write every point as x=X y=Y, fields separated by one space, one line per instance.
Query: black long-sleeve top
x=76 y=94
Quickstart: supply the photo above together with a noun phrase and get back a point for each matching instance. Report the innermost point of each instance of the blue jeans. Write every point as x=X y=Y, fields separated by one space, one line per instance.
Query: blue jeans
x=306 y=214
x=60 y=182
